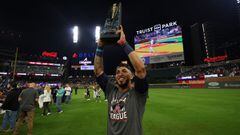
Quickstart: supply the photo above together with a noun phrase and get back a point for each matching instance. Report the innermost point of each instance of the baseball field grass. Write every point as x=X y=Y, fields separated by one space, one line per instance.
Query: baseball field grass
x=168 y=112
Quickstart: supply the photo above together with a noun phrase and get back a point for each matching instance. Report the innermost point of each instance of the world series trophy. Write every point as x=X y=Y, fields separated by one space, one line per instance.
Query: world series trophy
x=112 y=24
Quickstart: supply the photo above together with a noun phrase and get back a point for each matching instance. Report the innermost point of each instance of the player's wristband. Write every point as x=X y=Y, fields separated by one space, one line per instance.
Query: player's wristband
x=99 y=51
x=127 y=48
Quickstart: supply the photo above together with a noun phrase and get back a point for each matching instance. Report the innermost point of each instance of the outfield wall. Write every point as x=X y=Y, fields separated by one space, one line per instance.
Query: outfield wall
x=223 y=82
x=218 y=82
x=173 y=85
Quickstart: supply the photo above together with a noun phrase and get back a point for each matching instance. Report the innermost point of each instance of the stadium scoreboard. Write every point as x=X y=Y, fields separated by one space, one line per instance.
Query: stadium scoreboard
x=160 y=43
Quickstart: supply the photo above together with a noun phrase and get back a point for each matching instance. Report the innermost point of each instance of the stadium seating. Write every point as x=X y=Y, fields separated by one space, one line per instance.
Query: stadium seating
x=220 y=69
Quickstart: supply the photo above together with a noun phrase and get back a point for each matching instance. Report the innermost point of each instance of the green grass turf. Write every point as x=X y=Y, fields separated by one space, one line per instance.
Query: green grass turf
x=168 y=112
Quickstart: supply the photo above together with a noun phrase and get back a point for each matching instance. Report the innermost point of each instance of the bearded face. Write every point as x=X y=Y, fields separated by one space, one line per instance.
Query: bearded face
x=123 y=77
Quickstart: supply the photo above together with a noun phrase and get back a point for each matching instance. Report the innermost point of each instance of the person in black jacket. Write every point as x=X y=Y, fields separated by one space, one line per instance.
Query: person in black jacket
x=11 y=105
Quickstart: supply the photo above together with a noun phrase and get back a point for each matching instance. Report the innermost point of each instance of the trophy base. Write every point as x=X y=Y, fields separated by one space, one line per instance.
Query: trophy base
x=109 y=38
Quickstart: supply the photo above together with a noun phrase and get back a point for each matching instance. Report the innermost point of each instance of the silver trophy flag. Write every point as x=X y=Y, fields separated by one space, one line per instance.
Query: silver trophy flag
x=112 y=23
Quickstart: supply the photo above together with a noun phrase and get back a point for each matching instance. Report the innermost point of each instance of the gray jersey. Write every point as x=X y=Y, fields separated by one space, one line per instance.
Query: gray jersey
x=125 y=110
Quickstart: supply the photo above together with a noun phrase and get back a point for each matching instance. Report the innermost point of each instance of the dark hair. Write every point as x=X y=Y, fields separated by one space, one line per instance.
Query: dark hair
x=126 y=66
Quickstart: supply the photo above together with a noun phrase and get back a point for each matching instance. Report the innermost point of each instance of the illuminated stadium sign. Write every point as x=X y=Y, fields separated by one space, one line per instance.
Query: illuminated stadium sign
x=157 y=27
x=160 y=43
x=87 y=67
x=22 y=74
x=50 y=54
x=3 y=73
x=44 y=64
x=85 y=62
x=83 y=67
x=216 y=59
x=85 y=54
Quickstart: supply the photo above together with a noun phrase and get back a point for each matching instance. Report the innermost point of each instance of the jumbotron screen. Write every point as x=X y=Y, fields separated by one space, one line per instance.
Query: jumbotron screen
x=160 y=43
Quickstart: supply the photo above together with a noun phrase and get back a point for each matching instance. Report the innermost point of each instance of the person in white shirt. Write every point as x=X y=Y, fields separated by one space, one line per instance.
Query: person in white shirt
x=98 y=90
x=47 y=98
x=68 y=90
x=94 y=92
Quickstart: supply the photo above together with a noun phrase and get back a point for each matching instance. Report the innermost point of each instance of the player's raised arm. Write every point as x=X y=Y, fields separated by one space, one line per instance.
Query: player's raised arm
x=102 y=79
x=137 y=63
x=98 y=60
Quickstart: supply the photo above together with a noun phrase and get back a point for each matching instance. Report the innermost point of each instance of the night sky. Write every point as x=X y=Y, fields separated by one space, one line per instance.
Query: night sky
x=46 y=25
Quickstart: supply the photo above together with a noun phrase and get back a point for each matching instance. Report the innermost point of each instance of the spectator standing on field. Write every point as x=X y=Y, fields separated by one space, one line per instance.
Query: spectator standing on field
x=68 y=90
x=47 y=100
x=27 y=100
x=60 y=93
x=11 y=106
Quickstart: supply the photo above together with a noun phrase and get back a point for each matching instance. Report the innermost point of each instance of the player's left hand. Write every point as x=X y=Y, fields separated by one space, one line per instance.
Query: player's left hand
x=122 y=40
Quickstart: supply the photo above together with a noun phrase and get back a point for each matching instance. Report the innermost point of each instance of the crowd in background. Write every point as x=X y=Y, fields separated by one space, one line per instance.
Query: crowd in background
x=19 y=100
x=82 y=80
x=224 y=70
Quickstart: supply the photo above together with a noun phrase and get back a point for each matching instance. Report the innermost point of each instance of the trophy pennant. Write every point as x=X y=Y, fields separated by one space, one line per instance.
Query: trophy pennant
x=112 y=23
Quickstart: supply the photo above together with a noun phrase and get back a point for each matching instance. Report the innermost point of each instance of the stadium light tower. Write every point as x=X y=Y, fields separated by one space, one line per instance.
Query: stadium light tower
x=238 y=10
x=97 y=33
x=75 y=31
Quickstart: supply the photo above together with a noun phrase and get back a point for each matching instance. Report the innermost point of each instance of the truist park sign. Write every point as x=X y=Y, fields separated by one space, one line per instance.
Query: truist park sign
x=160 y=43
x=157 y=27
